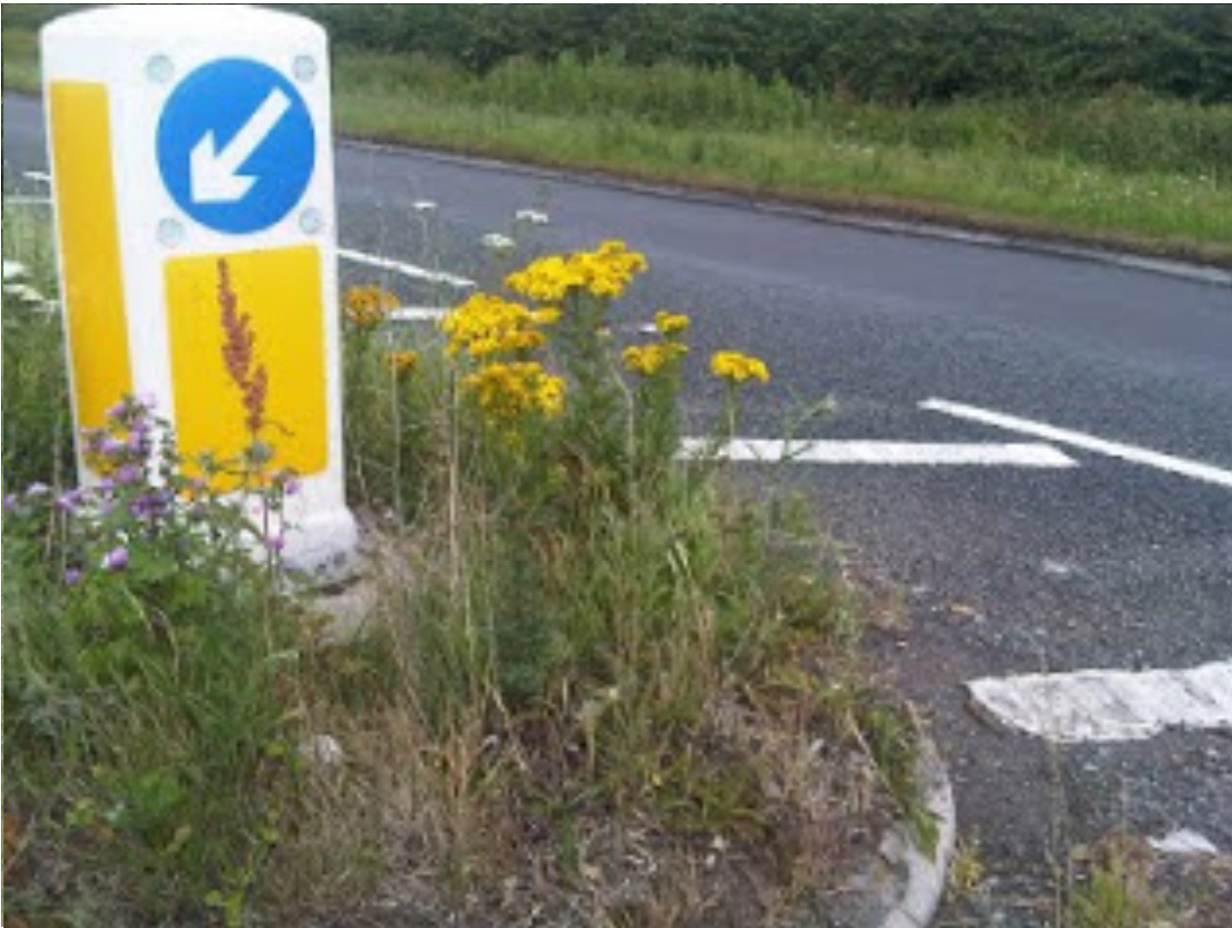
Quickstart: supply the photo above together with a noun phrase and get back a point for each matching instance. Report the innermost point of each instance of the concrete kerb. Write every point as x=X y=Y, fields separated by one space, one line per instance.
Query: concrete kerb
x=1169 y=267
x=926 y=875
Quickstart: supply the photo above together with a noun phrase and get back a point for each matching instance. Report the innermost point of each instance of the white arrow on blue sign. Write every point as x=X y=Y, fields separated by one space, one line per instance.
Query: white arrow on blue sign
x=236 y=146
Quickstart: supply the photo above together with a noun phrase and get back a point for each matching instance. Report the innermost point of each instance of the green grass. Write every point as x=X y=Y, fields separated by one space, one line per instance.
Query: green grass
x=19 y=61
x=573 y=645
x=1124 y=170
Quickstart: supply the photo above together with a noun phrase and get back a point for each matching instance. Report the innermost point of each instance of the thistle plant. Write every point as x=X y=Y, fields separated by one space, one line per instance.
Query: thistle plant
x=148 y=697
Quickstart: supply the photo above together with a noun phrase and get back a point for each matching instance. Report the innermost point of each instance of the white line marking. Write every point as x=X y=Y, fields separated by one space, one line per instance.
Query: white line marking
x=406 y=270
x=880 y=452
x=27 y=201
x=1183 y=843
x=1109 y=705
x=418 y=314
x=1165 y=462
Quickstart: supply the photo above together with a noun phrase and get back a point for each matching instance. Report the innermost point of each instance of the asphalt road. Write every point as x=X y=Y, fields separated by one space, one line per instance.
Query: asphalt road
x=1111 y=564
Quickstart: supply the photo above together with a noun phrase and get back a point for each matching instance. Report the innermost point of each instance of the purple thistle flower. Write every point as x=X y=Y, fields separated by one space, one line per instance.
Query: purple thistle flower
x=276 y=543
x=128 y=475
x=112 y=447
x=12 y=503
x=118 y=410
x=73 y=576
x=69 y=501
x=106 y=485
x=116 y=559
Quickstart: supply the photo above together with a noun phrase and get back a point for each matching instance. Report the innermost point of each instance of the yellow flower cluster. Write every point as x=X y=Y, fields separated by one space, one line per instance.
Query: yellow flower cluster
x=670 y=325
x=735 y=367
x=506 y=392
x=487 y=325
x=403 y=362
x=367 y=307
x=605 y=273
x=648 y=360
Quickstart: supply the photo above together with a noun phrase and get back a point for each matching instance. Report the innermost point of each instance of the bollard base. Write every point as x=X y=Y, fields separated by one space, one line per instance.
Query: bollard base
x=323 y=550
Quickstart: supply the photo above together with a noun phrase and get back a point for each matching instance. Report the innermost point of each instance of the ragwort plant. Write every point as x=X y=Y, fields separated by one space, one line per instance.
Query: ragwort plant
x=587 y=630
x=150 y=672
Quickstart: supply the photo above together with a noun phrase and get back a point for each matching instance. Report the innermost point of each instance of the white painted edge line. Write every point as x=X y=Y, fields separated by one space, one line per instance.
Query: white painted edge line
x=1193 y=469
x=406 y=270
x=27 y=201
x=1109 y=705
x=879 y=453
x=418 y=314
x=39 y=177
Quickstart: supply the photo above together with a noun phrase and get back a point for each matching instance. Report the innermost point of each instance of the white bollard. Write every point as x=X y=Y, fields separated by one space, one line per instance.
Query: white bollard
x=183 y=138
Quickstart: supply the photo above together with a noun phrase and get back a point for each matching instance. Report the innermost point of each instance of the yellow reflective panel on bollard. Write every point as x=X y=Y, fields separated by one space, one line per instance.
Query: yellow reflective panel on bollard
x=95 y=316
x=257 y=361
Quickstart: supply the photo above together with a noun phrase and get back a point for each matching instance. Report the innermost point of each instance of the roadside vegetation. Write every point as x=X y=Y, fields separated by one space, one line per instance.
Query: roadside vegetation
x=1124 y=169
x=581 y=678
x=1028 y=121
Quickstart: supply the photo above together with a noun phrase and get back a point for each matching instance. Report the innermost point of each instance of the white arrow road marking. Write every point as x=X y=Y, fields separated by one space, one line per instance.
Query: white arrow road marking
x=406 y=270
x=1109 y=705
x=214 y=173
x=880 y=453
x=1165 y=462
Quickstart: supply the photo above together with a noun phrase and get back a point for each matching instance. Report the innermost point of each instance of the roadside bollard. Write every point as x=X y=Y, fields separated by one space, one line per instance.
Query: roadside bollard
x=191 y=153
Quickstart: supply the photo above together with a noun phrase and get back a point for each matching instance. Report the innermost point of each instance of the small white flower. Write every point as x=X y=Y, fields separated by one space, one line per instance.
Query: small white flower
x=494 y=241
x=532 y=217
x=424 y=207
x=322 y=750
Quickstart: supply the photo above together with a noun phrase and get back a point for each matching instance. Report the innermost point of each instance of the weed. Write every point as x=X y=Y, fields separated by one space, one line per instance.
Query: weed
x=1117 y=892
x=149 y=679
x=590 y=671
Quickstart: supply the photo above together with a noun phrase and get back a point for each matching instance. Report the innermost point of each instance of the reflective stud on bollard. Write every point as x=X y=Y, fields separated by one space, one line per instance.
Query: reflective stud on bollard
x=192 y=143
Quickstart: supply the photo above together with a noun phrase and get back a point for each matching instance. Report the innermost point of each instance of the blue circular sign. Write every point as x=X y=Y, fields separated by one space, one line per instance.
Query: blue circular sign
x=236 y=146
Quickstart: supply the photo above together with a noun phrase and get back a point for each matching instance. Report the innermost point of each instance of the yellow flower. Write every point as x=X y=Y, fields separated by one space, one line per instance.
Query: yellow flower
x=507 y=392
x=671 y=325
x=367 y=307
x=487 y=325
x=604 y=273
x=735 y=367
x=403 y=362
x=648 y=360
x=548 y=315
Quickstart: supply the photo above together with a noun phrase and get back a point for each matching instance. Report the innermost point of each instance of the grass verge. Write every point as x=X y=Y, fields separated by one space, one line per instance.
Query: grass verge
x=1125 y=171
x=589 y=681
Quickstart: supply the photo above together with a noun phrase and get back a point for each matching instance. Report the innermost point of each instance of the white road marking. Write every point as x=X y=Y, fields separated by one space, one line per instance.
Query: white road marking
x=406 y=270
x=418 y=314
x=1135 y=455
x=880 y=453
x=1109 y=705
x=1183 y=843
